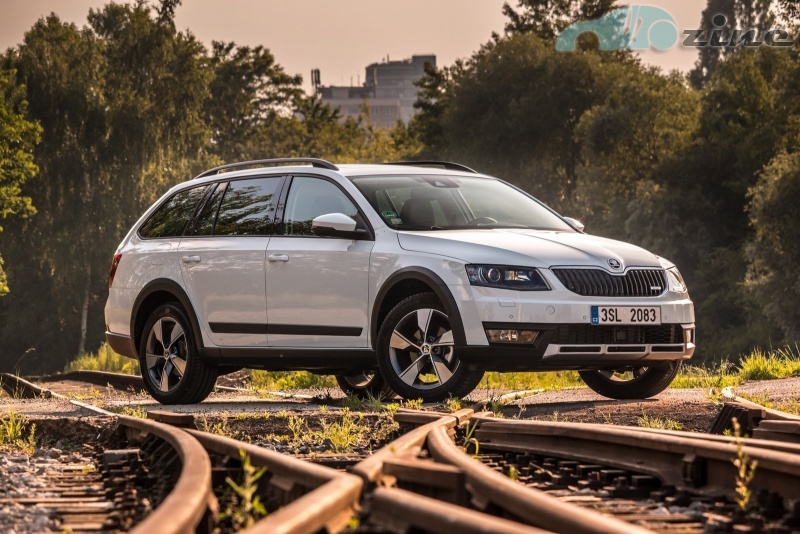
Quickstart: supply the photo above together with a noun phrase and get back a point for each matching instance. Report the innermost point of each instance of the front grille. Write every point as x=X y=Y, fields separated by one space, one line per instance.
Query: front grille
x=598 y=283
x=586 y=334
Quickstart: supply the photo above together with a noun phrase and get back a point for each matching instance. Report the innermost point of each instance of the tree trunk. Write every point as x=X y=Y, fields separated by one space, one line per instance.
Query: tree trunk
x=85 y=311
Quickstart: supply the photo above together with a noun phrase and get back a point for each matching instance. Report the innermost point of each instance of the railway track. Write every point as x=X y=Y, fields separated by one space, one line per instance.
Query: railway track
x=461 y=472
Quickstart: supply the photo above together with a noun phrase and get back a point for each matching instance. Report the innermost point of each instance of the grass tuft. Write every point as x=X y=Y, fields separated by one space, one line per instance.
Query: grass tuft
x=104 y=359
x=761 y=365
x=645 y=421
x=12 y=433
x=280 y=380
x=526 y=381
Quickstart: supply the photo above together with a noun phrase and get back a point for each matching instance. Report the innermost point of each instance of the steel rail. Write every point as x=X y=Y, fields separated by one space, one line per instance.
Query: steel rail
x=532 y=506
x=186 y=504
x=771 y=413
x=120 y=381
x=756 y=442
x=409 y=444
x=702 y=465
x=19 y=387
x=400 y=510
x=331 y=496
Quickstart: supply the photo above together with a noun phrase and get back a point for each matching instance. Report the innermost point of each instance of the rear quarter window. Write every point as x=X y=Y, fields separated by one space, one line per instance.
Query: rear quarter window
x=171 y=218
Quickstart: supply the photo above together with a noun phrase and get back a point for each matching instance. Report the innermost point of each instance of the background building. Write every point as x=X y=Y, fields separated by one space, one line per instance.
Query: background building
x=388 y=90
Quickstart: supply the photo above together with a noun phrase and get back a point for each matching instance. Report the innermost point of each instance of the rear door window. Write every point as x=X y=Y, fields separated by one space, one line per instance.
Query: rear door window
x=248 y=207
x=171 y=218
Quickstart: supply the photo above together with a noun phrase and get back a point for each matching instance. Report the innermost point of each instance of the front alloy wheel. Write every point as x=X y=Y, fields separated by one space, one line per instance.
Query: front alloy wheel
x=416 y=352
x=632 y=382
x=171 y=366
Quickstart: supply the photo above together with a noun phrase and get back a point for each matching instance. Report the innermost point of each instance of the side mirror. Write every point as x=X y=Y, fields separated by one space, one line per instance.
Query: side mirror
x=336 y=225
x=579 y=226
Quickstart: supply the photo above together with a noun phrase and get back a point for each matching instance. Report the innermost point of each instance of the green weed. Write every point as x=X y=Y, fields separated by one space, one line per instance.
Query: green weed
x=525 y=381
x=645 y=421
x=104 y=359
x=413 y=404
x=220 y=428
x=12 y=433
x=248 y=507
x=761 y=365
x=718 y=376
x=297 y=426
x=280 y=380
x=745 y=468
x=342 y=435
x=453 y=404
x=470 y=441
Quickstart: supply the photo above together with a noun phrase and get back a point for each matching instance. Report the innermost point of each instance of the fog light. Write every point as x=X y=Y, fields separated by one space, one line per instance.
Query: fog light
x=512 y=336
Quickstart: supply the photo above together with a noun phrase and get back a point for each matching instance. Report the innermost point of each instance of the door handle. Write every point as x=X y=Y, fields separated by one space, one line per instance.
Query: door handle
x=278 y=257
x=190 y=259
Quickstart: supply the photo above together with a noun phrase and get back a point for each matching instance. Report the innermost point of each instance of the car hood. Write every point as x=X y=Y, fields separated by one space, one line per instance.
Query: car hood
x=528 y=248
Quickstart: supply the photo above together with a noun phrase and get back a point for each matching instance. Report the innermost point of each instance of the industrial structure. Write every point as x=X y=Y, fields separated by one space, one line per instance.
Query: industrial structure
x=388 y=91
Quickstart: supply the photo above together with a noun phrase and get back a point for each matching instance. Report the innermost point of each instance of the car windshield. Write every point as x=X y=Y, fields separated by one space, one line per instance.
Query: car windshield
x=449 y=203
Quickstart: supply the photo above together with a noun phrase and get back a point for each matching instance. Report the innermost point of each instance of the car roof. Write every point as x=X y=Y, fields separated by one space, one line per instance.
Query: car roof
x=347 y=170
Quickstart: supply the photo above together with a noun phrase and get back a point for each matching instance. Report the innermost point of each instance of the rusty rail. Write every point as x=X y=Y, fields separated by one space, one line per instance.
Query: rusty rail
x=20 y=388
x=402 y=510
x=329 y=497
x=183 y=509
x=687 y=461
x=771 y=414
x=532 y=506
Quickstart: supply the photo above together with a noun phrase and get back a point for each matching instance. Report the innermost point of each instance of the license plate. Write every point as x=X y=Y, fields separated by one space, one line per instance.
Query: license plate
x=626 y=315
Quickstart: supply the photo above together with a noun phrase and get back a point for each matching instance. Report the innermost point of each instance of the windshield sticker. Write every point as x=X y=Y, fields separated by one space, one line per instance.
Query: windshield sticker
x=396 y=221
x=389 y=214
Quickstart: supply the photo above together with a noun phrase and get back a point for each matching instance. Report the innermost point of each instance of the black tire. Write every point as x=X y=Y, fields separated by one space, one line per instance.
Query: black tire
x=162 y=375
x=644 y=382
x=365 y=384
x=437 y=371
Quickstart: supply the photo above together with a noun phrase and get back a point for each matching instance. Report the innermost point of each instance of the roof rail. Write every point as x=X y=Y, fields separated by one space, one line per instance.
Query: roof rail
x=443 y=164
x=320 y=163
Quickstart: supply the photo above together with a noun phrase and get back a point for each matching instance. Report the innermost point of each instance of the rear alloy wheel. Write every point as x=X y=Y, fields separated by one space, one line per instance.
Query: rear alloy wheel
x=416 y=352
x=632 y=382
x=171 y=367
x=365 y=384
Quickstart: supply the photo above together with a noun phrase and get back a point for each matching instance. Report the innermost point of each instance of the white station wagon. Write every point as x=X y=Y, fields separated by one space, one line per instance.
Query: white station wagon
x=410 y=278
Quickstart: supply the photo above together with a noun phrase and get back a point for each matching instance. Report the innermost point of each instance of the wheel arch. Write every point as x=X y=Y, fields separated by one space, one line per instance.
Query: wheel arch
x=153 y=295
x=410 y=281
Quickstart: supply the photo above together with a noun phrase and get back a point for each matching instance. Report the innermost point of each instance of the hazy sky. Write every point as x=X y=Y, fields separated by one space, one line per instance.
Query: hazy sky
x=340 y=37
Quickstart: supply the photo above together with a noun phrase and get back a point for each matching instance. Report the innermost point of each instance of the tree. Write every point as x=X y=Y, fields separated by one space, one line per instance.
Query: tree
x=728 y=18
x=548 y=18
x=249 y=94
x=18 y=137
x=774 y=249
x=513 y=109
x=121 y=106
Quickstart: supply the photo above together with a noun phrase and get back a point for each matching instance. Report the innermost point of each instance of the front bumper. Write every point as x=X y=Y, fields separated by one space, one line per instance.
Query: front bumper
x=580 y=346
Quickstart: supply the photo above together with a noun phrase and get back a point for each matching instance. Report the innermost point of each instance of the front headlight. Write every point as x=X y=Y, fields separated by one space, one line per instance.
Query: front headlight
x=519 y=278
x=675 y=281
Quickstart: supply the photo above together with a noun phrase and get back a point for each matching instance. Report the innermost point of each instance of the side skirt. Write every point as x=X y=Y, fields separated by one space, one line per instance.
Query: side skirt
x=326 y=361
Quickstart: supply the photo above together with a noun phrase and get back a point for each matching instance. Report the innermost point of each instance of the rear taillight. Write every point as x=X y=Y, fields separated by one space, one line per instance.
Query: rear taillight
x=114 y=265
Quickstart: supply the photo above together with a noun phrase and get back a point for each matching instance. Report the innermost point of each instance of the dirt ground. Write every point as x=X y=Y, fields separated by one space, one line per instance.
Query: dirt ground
x=693 y=409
